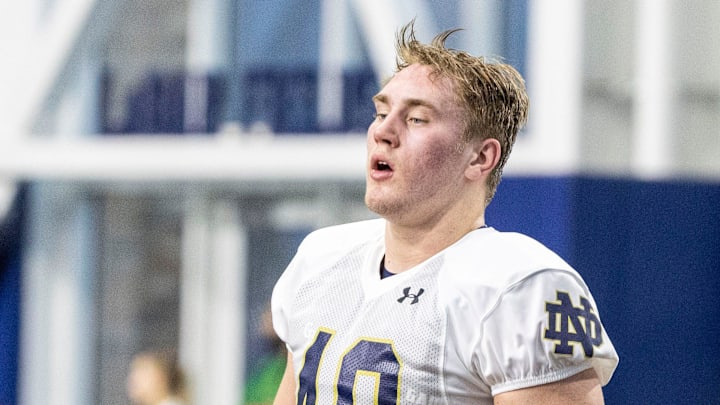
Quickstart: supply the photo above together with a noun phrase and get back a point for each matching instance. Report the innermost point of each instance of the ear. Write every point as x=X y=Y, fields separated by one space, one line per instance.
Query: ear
x=486 y=155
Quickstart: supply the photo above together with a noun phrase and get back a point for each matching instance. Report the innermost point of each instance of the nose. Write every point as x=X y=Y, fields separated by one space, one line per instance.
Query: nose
x=385 y=131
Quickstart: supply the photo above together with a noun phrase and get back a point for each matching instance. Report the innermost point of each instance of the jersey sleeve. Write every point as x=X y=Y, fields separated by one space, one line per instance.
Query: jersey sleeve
x=280 y=302
x=543 y=328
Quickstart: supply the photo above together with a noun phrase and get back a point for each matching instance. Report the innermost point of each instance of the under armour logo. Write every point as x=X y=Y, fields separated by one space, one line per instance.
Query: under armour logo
x=570 y=325
x=407 y=294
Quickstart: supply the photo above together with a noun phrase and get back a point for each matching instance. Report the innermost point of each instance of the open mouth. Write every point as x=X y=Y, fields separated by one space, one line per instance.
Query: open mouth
x=382 y=166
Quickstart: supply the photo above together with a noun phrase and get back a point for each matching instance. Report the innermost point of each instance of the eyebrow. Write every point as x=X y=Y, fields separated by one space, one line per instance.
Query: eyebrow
x=380 y=98
x=411 y=102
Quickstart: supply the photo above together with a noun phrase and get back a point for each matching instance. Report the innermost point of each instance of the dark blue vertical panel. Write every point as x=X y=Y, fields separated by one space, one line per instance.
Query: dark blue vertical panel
x=283 y=99
x=651 y=254
x=298 y=98
x=141 y=113
x=218 y=100
x=157 y=106
x=109 y=126
x=262 y=99
x=10 y=277
x=9 y=327
x=539 y=207
x=169 y=102
x=359 y=87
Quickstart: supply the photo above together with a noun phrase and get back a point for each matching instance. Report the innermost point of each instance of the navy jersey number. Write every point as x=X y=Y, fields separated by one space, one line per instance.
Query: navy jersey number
x=308 y=374
x=369 y=358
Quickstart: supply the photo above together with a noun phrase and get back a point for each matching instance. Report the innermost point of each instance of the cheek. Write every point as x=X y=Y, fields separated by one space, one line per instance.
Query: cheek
x=441 y=160
x=432 y=173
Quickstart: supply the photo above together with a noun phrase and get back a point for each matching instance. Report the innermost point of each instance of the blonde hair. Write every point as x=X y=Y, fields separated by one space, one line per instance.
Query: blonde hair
x=492 y=94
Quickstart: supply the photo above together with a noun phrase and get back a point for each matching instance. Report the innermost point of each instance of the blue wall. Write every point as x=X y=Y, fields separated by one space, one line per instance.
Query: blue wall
x=650 y=252
x=9 y=329
x=10 y=253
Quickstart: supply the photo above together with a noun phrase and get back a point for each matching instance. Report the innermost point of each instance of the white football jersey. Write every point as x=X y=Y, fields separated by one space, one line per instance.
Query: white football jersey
x=494 y=312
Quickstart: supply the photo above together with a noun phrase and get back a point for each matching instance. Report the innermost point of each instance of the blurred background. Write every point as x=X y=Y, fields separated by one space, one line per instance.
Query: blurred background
x=160 y=161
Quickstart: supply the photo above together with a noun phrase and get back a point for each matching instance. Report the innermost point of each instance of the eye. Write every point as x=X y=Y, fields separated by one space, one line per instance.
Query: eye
x=416 y=121
x=379 y=116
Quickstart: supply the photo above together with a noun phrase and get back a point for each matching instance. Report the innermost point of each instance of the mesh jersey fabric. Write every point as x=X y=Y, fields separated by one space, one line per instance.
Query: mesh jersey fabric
x=494 y=312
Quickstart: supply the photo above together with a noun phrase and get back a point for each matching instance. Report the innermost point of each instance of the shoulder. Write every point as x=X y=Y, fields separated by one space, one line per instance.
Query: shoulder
x=324 y=247
x=338 y=239
x=498 y=259
x=320 y=251
x=342 y=235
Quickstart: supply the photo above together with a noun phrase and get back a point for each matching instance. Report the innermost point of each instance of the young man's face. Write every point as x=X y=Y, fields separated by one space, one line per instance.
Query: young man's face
x=416 y=155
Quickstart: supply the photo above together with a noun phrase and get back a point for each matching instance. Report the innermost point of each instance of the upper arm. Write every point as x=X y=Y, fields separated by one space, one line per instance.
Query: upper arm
x=582 y=389
x=543 y=329
x=286 y=391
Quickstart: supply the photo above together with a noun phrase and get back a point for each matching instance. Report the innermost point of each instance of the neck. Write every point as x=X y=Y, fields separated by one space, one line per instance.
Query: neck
x=408 y=246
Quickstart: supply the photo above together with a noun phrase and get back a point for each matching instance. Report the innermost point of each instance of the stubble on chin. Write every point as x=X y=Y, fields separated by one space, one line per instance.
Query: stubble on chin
x=378 y=204
x=373 y=204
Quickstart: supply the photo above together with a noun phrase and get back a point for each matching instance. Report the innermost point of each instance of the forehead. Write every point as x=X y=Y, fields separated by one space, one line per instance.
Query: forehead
x=419 y=83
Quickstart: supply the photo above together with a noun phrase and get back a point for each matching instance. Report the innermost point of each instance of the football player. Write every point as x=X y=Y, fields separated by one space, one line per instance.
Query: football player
x=428 y=304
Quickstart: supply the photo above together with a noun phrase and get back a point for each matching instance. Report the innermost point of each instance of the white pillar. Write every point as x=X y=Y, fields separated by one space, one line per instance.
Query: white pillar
x=17 y=20
x=554 y=78
x=378 y=21
x=58 y=338
x=212 y=307
x=208 y=49
x=334 y=23
x=482 y=25
x=652 y=146
x=58 y=345
x=19 y=25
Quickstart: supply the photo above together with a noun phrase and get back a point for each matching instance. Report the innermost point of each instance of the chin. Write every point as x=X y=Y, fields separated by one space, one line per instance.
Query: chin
x=374 y=205
x=371 y=204
x=381 y=207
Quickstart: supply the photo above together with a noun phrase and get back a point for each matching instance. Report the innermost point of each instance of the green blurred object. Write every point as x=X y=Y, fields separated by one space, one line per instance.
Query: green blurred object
x=263 y=384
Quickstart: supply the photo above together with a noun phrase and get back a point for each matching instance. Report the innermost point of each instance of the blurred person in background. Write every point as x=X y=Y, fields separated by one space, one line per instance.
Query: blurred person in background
x=428 y=304
x=155 y=378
